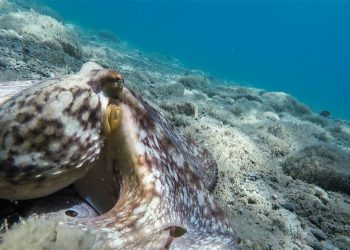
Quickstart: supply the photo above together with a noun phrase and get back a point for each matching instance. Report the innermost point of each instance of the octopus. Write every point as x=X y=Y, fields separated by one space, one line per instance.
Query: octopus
x=144 y=184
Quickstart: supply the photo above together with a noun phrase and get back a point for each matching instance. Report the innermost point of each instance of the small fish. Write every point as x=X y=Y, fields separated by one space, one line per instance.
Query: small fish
x=90 y=126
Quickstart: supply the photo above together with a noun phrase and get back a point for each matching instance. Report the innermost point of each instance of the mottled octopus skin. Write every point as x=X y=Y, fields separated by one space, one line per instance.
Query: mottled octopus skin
x=48 y=130
x=163 y=185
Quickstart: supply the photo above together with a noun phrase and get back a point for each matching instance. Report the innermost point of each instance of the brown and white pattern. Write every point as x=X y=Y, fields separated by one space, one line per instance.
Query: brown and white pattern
x=163 y=178
x=48 y=130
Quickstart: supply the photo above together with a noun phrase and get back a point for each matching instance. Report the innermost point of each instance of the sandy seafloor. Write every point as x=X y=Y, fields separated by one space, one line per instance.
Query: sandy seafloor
x=284 y=170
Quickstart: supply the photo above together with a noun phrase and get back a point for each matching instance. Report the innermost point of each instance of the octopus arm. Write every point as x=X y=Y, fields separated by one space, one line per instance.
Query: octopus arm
x=198 y=157
x=163 y=196
x=12 y=88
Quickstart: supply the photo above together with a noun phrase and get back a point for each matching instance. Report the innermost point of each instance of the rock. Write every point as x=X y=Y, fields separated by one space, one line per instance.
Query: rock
x=143 y=76
x=317 y=203
x=173 y=89
x=31 y=26
x=9 y=221
x=319 y=234
x=274 y=179
x=321 y=164
x=275 y=206
x=282 y=102
x=177 y=107
x=312 y=241
x=193 y=81
x=342 y=241
x=271 y=116
x=195 y=95
x=253 y=176
x=319 y=192
x=49 y=234
x=2 y=63
x=252 y=200
x=319 y=120
x=108 y=35
x=322 y=195
x=247 y=243
x=327 y=245
x=317 y=246
x=278 y=130
x=289 y=206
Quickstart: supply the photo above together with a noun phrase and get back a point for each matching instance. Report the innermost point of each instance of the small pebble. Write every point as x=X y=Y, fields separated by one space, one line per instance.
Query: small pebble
x=252 y=200
x=253 y=177
x=248 y=243
x=319 y=204
x=319 y=192
x=289 y=206
x=275 y=206
x=2 y=63
x=328 y=246
x=274 y=179
x=319 y=234
x=9 y=221
x=322 y=195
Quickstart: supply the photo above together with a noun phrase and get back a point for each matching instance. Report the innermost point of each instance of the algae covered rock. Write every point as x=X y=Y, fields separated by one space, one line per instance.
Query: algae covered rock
x=30 y=25
x=282 y=102
x=108 y=35
x=185 y=108
x=195 y=81
x=168 y=90
x=37 y=233
x=323 y=165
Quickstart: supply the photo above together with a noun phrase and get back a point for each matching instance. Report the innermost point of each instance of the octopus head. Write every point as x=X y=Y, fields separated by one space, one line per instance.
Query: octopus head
x=51 y=132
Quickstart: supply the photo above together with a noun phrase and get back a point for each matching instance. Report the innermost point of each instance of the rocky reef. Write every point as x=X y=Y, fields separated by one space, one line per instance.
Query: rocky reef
x=284 y=170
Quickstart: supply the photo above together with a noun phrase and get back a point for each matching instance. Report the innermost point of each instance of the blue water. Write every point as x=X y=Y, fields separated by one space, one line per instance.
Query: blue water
x=302 y=48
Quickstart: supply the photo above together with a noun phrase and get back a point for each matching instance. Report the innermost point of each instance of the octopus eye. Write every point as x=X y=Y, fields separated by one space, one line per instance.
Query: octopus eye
x=112 y=85
x=108 y=81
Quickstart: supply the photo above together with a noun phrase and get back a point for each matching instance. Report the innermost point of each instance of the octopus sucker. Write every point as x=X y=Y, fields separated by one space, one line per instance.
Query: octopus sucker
x=148 y=184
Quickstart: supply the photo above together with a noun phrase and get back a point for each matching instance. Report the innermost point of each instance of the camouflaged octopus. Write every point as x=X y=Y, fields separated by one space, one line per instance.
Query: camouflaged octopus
x=149 y=183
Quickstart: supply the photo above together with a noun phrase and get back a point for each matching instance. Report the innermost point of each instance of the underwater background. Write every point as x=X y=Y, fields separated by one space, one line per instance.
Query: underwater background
x=283 y=170
x=298 y=47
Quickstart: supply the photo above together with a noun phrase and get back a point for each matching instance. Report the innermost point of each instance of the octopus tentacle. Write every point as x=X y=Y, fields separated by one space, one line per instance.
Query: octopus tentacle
x=12 y=88
x=199 y=158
